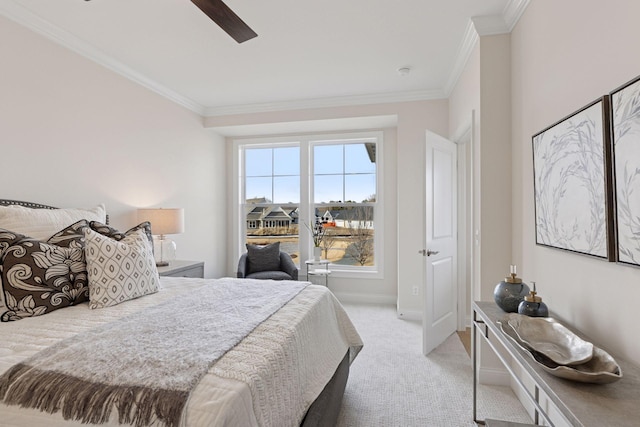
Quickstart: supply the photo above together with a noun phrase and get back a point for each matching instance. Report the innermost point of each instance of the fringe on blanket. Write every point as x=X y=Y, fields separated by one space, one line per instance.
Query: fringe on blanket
x=90 y=402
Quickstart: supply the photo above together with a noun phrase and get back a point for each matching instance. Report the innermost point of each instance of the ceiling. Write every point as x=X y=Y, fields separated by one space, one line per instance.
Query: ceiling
x=307 y=53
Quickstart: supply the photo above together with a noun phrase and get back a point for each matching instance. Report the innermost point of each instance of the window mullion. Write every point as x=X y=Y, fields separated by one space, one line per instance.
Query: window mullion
x=273 y=173
x=306 y=196
x=344 y=171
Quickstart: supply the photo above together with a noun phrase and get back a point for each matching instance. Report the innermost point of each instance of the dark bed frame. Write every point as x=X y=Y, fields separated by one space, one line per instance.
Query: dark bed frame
x=324 y=411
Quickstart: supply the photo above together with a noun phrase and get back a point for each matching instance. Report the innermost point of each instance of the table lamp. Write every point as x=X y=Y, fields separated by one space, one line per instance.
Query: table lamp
x=163 y=221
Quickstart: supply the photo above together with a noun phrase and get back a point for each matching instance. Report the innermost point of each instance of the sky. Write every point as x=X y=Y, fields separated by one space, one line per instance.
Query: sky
x=341 y=172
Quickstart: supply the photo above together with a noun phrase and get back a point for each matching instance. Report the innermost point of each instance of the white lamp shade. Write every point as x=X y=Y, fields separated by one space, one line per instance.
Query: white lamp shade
x=163 y=221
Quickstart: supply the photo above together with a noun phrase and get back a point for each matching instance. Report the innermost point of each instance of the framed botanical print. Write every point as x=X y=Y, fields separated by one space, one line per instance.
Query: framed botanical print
x=625 y=120
x=572 y=183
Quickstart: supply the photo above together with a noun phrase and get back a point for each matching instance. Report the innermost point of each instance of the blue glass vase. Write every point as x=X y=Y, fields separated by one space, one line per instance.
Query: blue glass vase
x=532 y=305
x=509 y=293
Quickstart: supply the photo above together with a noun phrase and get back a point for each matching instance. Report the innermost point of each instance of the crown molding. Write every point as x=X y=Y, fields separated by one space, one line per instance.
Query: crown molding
x=513 y=12
x=469 y=41
x=338 y=101
x=483 y=26
x=25 y=17
x=501 y=24
x=477 y=26
x=490 y=25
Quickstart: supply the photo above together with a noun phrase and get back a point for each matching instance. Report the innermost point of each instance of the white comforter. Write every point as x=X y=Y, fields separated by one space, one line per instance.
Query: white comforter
x=269 y=379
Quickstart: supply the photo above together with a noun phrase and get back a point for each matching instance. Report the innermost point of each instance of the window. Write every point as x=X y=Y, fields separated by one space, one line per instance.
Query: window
x=271 y=191
x=284 y=186
x=273 y=174
x=344 y=198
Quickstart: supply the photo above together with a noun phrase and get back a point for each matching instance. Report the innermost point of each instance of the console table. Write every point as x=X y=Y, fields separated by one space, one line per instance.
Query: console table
x=616 y=404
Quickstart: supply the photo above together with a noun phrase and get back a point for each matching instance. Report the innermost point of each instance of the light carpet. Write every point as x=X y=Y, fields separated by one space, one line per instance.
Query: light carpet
x=392 y=383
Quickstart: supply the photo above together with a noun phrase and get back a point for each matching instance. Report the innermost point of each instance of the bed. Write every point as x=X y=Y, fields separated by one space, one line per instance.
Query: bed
x=250 y=352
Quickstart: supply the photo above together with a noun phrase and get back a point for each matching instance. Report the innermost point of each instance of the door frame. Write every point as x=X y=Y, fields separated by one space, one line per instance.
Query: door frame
x=464 y=144
x=465 y=139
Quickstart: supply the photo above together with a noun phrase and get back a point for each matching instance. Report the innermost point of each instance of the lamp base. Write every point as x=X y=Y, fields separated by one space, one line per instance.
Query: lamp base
x=164 y=251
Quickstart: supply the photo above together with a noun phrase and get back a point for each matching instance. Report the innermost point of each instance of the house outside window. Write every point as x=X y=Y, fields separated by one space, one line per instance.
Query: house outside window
x=285 y=185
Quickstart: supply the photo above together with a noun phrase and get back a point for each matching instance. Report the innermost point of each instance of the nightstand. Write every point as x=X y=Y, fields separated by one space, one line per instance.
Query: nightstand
x=322 y=271
x=183 y=269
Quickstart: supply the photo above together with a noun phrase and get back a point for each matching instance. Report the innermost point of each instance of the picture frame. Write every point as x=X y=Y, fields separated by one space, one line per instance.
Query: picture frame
x=573 y=183
x=625 y=139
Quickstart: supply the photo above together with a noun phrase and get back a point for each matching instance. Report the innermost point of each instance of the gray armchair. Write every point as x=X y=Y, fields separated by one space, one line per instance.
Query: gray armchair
x=287 y=269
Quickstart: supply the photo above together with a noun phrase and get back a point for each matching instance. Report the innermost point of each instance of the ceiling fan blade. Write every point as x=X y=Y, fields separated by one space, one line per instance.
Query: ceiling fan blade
x=226 y=19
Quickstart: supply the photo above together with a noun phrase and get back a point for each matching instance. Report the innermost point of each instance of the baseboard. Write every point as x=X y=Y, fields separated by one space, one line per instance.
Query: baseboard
x=493 y=376
x=467 y=321
x=347 y=297
x=417 y=315
x=410 y=315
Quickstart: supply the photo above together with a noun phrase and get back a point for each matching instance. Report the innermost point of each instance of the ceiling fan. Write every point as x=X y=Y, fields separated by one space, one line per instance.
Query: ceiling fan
x=226 y=19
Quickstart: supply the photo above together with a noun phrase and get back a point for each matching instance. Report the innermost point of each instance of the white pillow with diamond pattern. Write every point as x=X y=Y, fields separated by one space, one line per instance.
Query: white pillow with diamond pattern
x=119 y=270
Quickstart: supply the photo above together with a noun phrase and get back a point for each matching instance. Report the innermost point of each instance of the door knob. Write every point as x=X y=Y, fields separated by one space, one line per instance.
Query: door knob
x=428 y=252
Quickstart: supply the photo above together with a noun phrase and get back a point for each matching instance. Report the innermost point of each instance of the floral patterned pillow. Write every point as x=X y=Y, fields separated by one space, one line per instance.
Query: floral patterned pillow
x=38 y=277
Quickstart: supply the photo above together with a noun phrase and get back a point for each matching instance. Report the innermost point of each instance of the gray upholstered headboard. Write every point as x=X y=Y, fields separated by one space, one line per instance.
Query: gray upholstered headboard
x=5 y=202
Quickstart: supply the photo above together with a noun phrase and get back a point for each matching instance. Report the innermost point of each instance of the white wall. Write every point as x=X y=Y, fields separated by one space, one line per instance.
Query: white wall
x=404 y=192
x=465 y=96
x=75 y=134
x=483 y=90
x=493 y=163
x=464 y=115
x=564 y=55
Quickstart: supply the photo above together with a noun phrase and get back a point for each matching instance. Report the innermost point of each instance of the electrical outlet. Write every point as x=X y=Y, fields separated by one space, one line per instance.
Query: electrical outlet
x=414 y=290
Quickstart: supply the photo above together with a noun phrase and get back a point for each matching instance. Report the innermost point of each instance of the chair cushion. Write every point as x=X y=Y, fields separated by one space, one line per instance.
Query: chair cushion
x=273 y=275
x=263 y=258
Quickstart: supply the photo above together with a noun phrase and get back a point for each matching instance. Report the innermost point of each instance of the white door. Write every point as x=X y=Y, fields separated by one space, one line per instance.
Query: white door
x=441 y=283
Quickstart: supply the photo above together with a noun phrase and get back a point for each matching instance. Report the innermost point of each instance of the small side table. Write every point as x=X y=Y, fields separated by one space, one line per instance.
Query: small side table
x=183 y=269
x=318 y=268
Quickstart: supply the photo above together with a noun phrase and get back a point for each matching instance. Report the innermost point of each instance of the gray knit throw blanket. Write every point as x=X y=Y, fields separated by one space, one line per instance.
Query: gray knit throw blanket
x=145 y=365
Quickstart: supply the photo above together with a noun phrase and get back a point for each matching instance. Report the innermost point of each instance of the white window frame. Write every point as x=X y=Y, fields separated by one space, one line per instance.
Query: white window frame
x=306 y=203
